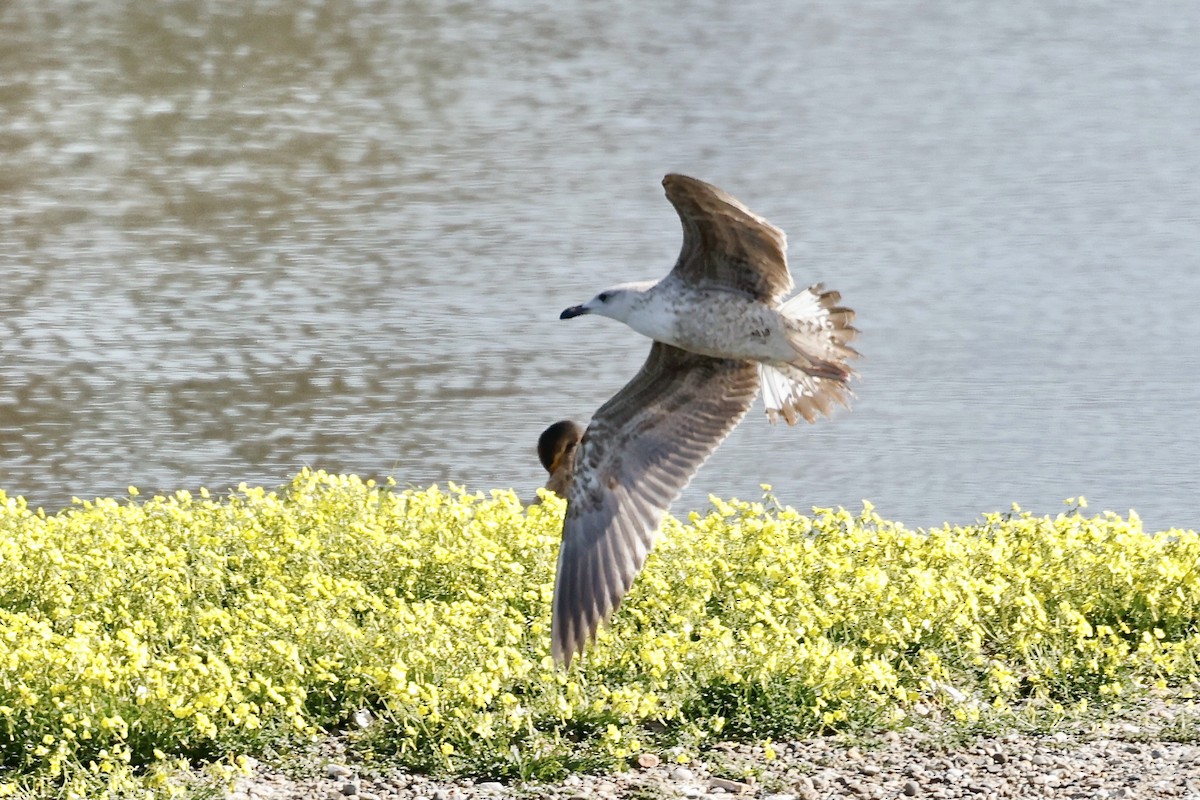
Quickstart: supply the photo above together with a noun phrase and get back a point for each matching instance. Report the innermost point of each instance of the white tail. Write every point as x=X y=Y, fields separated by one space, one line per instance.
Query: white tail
x=818 y=378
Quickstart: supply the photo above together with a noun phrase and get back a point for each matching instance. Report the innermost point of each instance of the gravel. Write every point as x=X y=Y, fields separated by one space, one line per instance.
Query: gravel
x=1105 y=761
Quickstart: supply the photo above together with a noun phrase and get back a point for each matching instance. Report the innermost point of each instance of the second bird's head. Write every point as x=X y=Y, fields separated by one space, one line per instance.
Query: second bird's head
x=615 y=303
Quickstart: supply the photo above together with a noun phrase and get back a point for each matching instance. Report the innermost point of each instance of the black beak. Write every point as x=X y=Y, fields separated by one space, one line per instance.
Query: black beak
x=573 y=311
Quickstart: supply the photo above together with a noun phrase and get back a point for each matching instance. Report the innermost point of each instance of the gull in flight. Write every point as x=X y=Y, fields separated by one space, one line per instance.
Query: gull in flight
x=721 y=330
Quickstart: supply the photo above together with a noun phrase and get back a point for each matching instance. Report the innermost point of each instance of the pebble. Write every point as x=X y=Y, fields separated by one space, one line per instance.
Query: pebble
x=683 y=775
x=336 y=771
x=490 y=786
x=726 y=785
x=647 y=760
x=911 y=788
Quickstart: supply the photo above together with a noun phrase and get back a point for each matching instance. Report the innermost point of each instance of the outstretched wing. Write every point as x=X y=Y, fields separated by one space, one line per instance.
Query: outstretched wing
x=639 y=452
x=725 y=244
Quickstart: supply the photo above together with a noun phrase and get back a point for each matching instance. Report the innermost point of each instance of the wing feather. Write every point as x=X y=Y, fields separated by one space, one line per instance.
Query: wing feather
x=639 y=452
x=726 y=245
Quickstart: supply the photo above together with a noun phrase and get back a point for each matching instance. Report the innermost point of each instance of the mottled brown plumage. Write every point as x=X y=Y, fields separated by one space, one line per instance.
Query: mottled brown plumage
x=720 y=331
x=726 y=245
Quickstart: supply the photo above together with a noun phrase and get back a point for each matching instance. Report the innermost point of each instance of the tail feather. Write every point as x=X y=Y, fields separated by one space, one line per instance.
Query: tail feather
x=791 y=393
x=817 y=380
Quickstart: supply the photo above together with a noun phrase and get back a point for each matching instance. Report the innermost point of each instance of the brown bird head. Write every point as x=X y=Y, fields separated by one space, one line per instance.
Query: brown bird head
x=556 y=445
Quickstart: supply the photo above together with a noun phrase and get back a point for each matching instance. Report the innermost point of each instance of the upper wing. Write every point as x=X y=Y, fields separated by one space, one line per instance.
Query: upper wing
x=725 y=244
x=640 y=450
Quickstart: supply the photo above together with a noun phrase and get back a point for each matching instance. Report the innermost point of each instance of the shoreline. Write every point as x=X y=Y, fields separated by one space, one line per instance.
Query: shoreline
x=1152 y=751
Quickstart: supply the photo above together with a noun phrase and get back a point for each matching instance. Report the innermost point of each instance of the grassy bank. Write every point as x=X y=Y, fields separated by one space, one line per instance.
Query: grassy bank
x=134 y=633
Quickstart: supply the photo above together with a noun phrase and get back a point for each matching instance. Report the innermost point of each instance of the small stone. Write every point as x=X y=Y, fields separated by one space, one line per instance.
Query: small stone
x=805 y=783
x=683 y=774
x=870 y=770
x=349 y=788
x=647 y=760
x=337 y=771
x=955 y=775
x=1041 y=761
x=490 y=786
x=726 y=785
x=911 y=788
x=1000 y=757
x=1157 y=752
x=781 y=796
x=572 y=780
x=441 y=794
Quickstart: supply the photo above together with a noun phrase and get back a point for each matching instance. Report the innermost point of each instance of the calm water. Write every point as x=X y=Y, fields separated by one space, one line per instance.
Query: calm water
x=240 y=238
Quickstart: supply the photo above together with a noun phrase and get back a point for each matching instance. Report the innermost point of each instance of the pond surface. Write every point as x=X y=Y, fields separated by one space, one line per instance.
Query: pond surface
x=241 y=238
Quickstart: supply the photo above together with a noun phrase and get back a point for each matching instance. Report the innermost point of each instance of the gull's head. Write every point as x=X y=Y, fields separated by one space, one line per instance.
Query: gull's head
x=615 y=303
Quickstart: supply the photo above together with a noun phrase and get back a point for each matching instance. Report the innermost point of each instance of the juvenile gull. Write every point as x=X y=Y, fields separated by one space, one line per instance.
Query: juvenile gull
x=721 y=328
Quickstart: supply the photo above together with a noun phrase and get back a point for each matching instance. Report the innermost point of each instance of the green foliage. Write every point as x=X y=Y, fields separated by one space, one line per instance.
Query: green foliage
x=135 y=634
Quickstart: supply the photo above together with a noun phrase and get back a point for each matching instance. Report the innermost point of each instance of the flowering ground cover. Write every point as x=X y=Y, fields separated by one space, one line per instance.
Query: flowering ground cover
x=137 y=634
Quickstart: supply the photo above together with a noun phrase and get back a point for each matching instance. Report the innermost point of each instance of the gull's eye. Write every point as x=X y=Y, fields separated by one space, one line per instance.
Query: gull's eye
x=604 y=296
